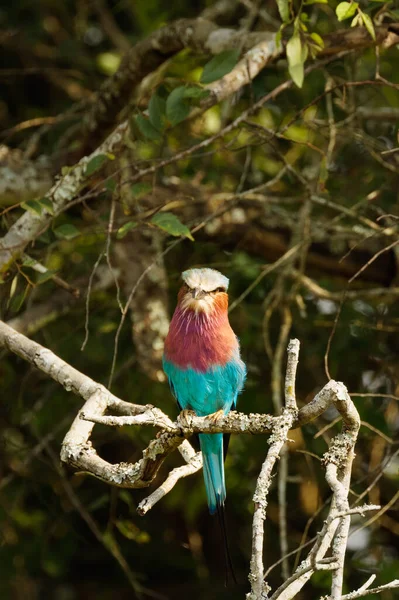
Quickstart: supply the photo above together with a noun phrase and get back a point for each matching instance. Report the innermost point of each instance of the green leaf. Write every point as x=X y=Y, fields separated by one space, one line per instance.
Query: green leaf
x=95 y=164
x=128 y=529
x=32 y=206
x=122 y=231
x=147 y=128
x=157 y=112
x=45 y=237
x=140 y=189
x=368 y=24
x=18 y=300
x=345 y=10
x=278 y=37
x=109 y=540
x=43 y=277
x=317 y=39
x=107 y=327
x=219 y=65
x=295 y=57
x=171 y=224
x=66 y=231
x=13 y=285
x=195 y=93
x=316 y=2
x=110 y=185
x=284 y=10
x=177 y=109
x=47 y=205
x=28 y=261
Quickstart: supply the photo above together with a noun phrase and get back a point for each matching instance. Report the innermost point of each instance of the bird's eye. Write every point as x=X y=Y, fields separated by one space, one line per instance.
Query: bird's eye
x=219 y=289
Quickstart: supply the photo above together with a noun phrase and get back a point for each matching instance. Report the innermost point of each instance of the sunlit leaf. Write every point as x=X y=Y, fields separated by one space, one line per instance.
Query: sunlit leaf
x=284 y=10
x=368 y=23
x=13 y=286
x=318 y=39
x=278 y=37
x=171 y=224
x=345 y=10
x=295 y=59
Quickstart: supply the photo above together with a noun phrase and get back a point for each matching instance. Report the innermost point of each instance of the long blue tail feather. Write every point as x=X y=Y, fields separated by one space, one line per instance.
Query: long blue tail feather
x=212 y=456
x=213 y=467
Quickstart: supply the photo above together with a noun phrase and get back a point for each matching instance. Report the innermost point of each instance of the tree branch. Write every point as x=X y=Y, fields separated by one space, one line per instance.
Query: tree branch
x=259 y=588
x=30 y=225
x=78 y=451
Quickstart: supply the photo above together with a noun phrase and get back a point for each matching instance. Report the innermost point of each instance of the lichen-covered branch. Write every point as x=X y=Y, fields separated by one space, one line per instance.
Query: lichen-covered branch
x=204 y=36
x=30 y=225
x=21 y=178
x=280 y=429
x=78 y=451
x=338 y=463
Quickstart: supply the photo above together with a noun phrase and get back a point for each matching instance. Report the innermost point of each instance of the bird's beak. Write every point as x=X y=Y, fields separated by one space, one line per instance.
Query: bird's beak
x=197 y=293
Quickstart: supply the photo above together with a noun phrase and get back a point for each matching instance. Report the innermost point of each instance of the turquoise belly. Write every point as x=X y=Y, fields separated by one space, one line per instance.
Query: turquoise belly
x=205 y=393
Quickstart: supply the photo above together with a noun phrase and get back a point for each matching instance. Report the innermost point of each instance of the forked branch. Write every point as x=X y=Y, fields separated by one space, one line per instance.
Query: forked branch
x=78 y=451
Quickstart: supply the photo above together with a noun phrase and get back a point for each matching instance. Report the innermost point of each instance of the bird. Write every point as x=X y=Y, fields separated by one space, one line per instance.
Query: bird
x=203 y=365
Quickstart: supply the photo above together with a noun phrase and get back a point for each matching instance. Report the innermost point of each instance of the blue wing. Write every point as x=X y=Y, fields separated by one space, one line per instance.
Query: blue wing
x=208 y=392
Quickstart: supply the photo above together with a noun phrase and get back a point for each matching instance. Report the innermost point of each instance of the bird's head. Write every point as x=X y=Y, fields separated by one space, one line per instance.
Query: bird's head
x=203 y=291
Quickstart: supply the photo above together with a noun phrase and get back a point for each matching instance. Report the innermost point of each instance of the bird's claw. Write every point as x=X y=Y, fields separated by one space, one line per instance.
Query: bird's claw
x=185 y=416
x=214 y=417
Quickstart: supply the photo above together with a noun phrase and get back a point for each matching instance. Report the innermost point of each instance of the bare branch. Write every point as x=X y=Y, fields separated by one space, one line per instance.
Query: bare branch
x=259 y=588
x=361 y=592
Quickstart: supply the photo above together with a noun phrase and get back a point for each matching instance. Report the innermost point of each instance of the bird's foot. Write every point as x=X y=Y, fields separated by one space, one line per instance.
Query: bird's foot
x=214 y=417
x=185 y=416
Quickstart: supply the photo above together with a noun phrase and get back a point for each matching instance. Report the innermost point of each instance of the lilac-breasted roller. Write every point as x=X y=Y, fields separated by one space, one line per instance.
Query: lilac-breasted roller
x=203 y=365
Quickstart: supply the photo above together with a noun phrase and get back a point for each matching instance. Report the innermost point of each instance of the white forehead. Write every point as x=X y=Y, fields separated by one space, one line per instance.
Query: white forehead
x=205 y=279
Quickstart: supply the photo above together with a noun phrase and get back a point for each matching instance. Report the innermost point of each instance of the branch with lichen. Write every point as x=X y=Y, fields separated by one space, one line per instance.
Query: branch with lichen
x=78 y=451
x=30 y=225
x=200 y=35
